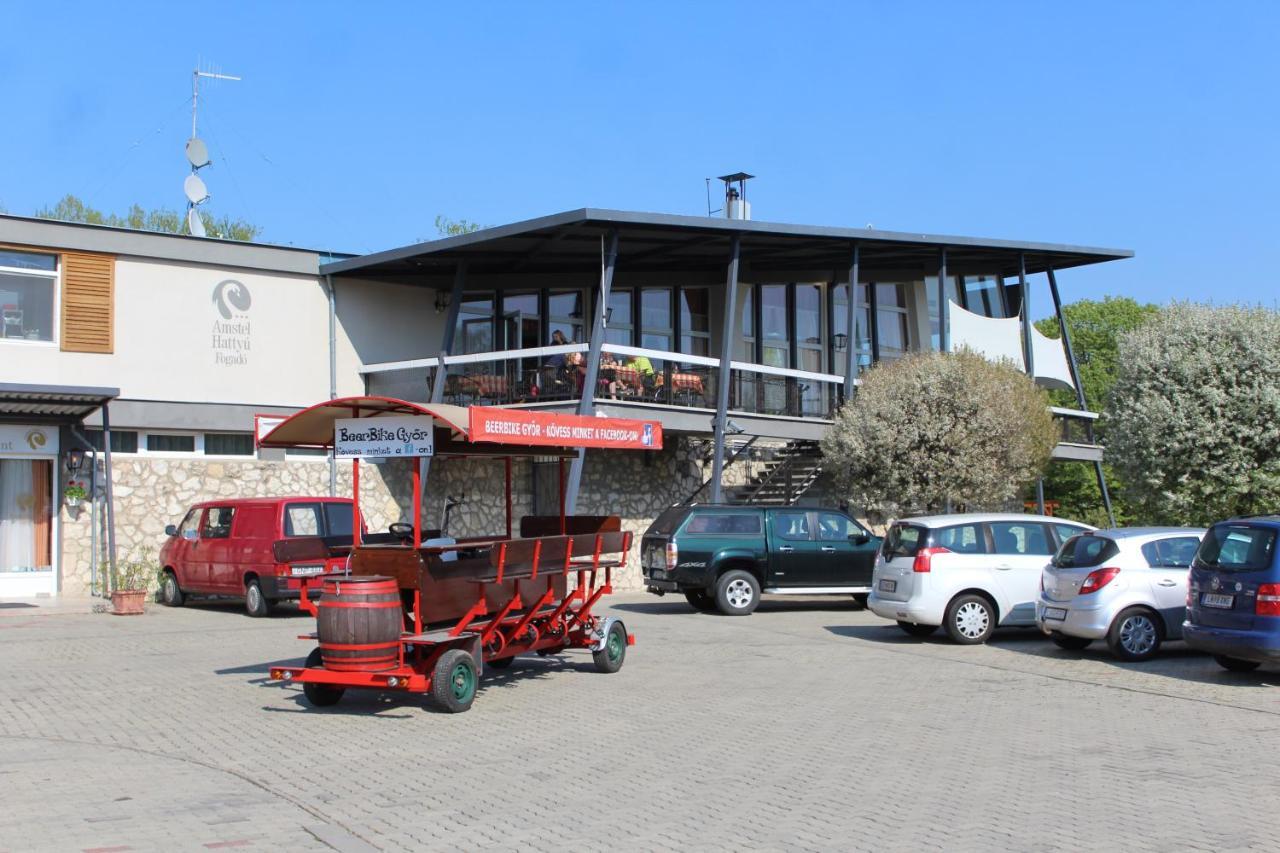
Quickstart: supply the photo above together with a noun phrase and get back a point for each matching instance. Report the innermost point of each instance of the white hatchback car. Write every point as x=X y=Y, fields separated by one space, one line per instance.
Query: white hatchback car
x=968 y=573
x=1127 y=586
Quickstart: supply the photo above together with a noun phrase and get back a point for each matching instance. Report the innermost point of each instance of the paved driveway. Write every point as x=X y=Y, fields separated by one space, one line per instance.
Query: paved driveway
x=809 y=726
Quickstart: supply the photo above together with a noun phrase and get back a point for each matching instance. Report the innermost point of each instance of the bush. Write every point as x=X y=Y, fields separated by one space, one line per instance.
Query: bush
x=935 y=429
x=137 y=571
x=1194 y=416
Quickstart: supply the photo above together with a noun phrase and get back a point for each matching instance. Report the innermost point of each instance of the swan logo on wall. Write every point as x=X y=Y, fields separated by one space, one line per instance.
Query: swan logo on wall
x=230 y=294
x=36 y=439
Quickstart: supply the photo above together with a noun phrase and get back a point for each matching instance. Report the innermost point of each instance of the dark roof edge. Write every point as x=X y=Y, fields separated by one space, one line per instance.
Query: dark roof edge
x=728 y=226
x=86 y=391
x=108 y=239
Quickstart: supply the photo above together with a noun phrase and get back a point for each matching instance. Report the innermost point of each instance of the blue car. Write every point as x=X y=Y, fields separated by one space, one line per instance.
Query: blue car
x=1233 y=598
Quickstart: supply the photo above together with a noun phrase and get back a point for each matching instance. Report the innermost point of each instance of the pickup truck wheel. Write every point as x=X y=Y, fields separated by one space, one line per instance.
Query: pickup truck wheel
x=170 y=592
x=320 y=695
x=699 y=600
x=917 y=630
x=255 y=603
x=453 y=681
x=737 y=593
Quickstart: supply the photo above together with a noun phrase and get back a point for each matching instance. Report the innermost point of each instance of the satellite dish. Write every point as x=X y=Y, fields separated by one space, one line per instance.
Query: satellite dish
x=197 y=153
x=194 y=223
x=195 y=189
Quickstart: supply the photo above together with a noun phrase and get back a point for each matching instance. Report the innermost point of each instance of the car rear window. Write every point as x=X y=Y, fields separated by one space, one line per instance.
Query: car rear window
x=711 y=524
x=337 y=519
x=668 y=521
x=1173 y=553
x=903 y=540
x=960 y=539
x=1237 y=548
x=1085 y=551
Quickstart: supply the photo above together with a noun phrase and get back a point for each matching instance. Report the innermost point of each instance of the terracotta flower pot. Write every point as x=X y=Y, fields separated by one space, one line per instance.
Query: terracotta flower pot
x=128 y=602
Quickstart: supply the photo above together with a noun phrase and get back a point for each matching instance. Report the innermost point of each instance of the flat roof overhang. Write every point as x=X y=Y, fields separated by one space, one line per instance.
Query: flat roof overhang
x=51 y=404
x=573 y=243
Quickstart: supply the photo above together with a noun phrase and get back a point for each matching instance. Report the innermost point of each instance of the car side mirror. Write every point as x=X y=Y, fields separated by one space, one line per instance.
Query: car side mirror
x=859 y=538
x=171 y=530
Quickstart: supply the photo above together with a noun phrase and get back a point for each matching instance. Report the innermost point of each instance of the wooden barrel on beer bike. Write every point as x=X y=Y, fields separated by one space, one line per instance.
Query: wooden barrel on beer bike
x=358 y=623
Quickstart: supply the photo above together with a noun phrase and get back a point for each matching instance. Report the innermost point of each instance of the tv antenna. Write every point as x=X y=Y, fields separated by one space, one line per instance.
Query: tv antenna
x=198 y=156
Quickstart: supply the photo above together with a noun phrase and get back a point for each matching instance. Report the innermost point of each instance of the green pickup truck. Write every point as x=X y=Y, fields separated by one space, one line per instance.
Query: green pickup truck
x=723 y=557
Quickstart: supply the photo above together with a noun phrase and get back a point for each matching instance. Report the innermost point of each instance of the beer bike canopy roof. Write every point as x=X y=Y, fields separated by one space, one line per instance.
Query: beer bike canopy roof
x=473 y=430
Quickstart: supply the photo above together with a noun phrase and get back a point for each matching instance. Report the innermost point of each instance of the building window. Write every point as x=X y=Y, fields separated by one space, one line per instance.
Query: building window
x=122 y=440
x=520 y=324
x=170 y=443
x=931 y=293
x=891 y=320
x=565 y=310
x=861 y=341
x=656 y=327
x=695 y=321
x=776 y=341
x=228 y=444
x=747 y=346
x=621 y=322
x=28 y=296
x=982 y=295
x=474 y=332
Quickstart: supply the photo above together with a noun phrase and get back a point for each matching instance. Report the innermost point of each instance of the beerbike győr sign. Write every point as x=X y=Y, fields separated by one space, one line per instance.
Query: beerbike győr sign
x=387 y=437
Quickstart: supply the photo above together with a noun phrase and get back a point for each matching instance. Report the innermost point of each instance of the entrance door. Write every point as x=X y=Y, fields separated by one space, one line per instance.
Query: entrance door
x=26 y=528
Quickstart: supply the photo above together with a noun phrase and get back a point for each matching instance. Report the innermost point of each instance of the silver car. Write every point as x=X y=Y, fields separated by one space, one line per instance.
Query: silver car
x=1127 y=586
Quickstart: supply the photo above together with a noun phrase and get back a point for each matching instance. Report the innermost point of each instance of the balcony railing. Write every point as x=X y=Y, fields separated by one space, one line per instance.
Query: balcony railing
x=556 y=373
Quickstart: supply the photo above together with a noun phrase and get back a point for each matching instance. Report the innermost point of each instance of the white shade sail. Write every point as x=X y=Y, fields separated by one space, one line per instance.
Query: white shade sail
x=1000 y=339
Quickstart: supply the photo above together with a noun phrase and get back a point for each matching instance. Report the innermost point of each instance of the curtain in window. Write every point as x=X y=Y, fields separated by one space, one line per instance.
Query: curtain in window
x=24 y=515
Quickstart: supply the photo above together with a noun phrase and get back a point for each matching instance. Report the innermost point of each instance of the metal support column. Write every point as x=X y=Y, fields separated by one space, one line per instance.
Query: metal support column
x=726 y=357
x=450 y=325
x=873 y=315
x=1080 y=395
x=333 y=372
x=854 y=347
x=944 y=304
x=1027 y=353
x=587 y=401
x=109 y=582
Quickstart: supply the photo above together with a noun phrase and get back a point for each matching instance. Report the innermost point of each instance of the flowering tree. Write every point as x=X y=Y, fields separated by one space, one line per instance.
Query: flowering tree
x=1194 y=415
x=939 y=429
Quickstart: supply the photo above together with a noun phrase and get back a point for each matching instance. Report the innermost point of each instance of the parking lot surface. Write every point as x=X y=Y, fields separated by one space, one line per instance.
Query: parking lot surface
x=810 y=725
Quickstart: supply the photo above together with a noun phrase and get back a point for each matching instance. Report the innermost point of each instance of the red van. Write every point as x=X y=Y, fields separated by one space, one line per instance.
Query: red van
x=258 y=548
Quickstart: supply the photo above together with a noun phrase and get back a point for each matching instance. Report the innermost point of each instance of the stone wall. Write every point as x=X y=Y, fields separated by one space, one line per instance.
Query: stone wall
x=153 y=492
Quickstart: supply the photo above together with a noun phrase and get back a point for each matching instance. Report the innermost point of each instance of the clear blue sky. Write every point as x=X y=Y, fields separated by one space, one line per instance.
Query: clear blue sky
x=1149 y=126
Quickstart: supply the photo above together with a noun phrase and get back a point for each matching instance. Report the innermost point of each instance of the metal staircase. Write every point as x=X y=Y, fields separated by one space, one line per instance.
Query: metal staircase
x=784 y=479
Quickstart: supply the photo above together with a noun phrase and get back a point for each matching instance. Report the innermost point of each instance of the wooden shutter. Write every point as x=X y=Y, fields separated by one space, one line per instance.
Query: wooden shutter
x=88 y=302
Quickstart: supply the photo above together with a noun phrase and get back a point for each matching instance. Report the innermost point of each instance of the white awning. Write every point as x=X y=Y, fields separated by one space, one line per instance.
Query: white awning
x=1000 y=339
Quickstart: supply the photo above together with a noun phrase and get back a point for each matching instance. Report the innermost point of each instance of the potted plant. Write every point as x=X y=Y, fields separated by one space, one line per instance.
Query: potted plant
x=130 y=592
x=73 y=494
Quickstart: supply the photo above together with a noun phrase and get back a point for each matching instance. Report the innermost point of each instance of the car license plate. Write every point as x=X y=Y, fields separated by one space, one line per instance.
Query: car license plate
x=303 y=571
x=1213 y=599
x=887 y=585
x=1055 y=613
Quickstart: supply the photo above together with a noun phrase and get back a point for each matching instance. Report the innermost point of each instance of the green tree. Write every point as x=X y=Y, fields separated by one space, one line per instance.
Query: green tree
x=1096 y=328
x=447 y=227
x=1194 y=415
x=164 y=220
x=939 y=429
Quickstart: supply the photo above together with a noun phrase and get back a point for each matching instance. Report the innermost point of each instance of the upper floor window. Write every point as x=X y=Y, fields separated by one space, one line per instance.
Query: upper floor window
x=28 y=296
x=695 y=321
x=565 y=308
x=620 y=325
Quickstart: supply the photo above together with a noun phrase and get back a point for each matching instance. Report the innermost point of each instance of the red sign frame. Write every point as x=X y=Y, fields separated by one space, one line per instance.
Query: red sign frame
x=551 y=429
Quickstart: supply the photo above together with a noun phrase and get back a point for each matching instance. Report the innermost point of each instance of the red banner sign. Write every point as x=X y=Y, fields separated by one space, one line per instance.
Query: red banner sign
x=521 y=426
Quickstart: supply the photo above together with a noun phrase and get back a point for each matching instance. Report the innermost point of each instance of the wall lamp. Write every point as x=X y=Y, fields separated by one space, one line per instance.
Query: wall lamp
x=442 y=301
x=75 y=459
x=841 y=340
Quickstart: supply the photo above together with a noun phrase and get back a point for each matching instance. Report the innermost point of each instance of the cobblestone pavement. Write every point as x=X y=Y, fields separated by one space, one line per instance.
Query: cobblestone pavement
x=808 y=726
